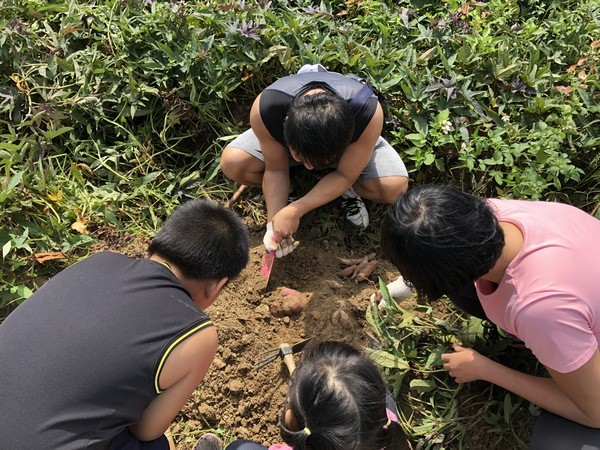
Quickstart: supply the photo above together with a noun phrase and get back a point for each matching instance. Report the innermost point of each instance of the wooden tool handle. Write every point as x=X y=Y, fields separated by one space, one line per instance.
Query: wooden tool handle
x=289 y=362
x=285 y=350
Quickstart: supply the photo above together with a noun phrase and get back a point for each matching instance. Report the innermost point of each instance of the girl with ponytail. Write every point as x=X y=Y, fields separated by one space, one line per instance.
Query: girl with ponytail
x=337 y=400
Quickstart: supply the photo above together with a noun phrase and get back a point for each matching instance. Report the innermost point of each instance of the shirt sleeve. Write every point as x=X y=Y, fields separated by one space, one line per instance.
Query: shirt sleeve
x=557 y=329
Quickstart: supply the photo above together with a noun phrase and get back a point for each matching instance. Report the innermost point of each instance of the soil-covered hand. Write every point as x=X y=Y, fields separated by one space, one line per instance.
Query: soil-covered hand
x=465 y=364
x=282 y=246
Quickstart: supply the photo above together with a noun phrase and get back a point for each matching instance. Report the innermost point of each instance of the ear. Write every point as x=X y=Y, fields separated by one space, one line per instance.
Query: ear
x=290 y=420
x=213 y=289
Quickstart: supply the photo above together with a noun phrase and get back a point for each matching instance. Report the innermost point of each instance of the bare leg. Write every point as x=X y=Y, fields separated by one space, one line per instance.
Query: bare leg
x=382 y=190
x=242 y=167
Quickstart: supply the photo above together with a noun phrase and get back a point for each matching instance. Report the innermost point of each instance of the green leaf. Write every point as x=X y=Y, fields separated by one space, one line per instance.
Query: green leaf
x=386 y=359
x=417 y=139
x=6 y=249
x=14 y=181
x=434 y=359
x=422 y=385
x=51 y=134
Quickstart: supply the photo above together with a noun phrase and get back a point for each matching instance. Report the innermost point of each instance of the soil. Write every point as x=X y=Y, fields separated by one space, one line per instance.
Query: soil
x=248 y=400
x=237 y=397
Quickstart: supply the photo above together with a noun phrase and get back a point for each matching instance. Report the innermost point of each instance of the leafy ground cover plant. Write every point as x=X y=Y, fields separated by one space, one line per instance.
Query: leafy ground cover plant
x=120 y=105
x=436 y=412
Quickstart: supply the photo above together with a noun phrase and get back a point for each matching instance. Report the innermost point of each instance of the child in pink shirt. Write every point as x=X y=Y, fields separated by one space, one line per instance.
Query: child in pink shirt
x=532 y=268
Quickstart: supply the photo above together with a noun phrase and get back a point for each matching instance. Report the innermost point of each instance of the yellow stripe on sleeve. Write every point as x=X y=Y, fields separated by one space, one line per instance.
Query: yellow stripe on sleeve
x=171 y=347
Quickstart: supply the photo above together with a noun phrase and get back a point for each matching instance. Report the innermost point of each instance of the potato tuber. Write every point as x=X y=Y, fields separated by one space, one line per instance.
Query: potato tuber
x=290 y=303
x=287 y=291
x=359 y=267
x=348 y=271
x=349 y=261
x=333 y=284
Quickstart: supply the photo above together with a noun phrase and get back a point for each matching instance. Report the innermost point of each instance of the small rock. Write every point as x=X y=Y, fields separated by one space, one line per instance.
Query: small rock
x=236 y=386
x=262 y=310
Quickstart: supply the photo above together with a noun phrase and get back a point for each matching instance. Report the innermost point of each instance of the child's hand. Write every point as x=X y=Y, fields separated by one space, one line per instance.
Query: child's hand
x=465 y=364
x=286 y=221
x=281 y=247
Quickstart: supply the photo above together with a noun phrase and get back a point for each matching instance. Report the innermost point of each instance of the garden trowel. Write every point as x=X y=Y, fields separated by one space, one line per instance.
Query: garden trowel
x=268 y=259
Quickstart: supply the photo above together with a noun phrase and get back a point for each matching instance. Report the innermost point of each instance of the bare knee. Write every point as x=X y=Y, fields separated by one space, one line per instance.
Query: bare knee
x=383 y=190
x=394 y=190
x=230 y=165
x=241 y=167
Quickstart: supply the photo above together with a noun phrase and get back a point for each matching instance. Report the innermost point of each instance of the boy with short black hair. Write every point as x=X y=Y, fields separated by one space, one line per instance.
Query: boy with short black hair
x=106 y=353
x=318 y=119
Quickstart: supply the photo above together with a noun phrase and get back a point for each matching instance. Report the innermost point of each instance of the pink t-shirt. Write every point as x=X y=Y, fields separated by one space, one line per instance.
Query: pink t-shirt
x=549 y=296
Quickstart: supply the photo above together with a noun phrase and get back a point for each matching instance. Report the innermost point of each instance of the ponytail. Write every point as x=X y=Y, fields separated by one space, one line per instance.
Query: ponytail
x=337 y=401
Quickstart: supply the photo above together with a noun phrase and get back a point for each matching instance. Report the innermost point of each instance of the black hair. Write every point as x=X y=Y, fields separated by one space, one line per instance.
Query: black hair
x=338 y=394
x=318 y=128
x=441 y=239
x=204 y=240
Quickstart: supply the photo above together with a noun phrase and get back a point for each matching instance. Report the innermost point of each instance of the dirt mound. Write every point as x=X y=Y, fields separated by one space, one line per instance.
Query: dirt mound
x=246 y=400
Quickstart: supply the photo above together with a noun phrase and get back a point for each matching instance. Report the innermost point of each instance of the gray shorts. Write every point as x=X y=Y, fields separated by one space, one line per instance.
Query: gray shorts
x=384 y=162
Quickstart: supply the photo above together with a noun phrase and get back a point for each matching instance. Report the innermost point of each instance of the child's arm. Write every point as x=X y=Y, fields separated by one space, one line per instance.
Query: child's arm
x=276 y=178
x=574 y=395
x=182 y=373
x=353 y=161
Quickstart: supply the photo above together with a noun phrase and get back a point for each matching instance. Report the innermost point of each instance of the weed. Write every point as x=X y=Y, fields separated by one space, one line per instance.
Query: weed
x=435 y=411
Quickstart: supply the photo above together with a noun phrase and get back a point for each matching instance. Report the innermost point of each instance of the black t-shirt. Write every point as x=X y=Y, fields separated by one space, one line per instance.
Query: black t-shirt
x=81 y=358
x=277 y=98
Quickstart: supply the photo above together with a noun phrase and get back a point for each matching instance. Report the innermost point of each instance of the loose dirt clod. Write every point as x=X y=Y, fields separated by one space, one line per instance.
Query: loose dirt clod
x=341 y=317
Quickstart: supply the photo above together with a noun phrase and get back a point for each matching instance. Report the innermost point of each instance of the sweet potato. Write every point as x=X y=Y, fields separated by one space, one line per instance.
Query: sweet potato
x=348 y=271
x=290 y=303
x=359 y=267
x=341 y=317
x=349 y=261
x=366 y=271
x=289 y=307
x=333 y=284
x=287 y=291
x=276 y=309
x=293 y=306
